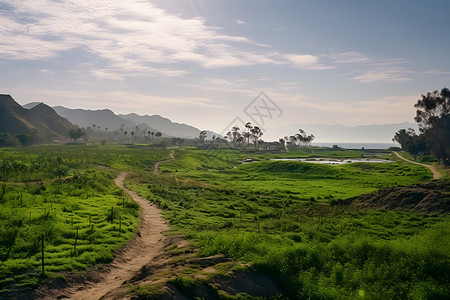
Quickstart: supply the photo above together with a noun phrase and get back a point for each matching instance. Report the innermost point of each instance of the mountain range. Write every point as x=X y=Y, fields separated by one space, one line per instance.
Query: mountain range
x=105 y=118
x=46 y=123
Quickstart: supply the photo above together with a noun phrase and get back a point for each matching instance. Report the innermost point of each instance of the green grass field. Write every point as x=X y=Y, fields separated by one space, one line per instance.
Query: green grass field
x=280 y=217
x=277 y=216
x=67 y=195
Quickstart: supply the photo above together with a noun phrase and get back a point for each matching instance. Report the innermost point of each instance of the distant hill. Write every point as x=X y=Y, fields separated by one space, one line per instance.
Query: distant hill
x=31 y=105
x=167 y=126
x=41 y=121
x=104 y=118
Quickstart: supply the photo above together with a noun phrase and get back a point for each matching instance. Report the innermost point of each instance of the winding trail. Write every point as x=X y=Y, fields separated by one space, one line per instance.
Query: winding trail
x=156 y=166
x=436 y=174
x=146 y=245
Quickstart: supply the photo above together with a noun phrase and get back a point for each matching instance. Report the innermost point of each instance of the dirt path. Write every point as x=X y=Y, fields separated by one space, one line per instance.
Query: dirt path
x=147 y=244
x=436 y=174
x=156 y=166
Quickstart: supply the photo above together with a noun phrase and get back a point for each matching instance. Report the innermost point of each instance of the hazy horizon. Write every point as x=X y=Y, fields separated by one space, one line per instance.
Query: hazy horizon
x=203 y=64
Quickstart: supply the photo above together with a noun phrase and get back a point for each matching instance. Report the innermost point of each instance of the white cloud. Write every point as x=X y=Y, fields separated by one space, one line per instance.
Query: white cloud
x=349 y=57
x=240 y=22
x=383 y=75
x=132 y=36
x=306 y=61
x=142 y=100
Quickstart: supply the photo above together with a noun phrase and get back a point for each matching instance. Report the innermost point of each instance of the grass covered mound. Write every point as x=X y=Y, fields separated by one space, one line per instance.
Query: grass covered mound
x=433 y=197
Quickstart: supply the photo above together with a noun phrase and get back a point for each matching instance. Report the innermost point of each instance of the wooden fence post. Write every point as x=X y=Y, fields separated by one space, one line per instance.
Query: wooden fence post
x=42 y=250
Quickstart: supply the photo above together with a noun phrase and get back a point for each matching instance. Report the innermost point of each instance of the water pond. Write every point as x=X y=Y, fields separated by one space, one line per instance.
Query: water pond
x=332 y=161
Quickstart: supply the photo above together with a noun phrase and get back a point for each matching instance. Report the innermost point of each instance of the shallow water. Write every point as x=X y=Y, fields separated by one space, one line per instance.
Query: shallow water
x=330 y=161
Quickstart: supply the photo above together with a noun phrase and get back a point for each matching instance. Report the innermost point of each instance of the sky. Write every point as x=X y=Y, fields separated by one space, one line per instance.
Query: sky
x=211 y=64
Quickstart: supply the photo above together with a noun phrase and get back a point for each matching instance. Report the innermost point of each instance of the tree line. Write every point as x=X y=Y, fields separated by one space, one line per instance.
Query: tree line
x=433 y=118
x=252 y=135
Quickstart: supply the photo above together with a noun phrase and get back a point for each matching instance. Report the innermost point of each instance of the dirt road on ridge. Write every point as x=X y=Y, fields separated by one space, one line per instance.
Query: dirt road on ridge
x=436 y=174
x=146 y=245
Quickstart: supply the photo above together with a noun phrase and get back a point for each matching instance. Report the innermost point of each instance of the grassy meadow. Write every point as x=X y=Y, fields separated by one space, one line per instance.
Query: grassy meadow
x=283 y=218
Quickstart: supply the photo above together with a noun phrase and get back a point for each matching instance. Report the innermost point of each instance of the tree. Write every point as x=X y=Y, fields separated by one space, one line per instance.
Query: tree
x=158 y=134
x=282 y=141
x=76 y=134
x=304 y=139
x=249 y=127
x=6 y=169
x=202 y=136
x=234 y=136
x=256 y=133
x=411 y=142
x=433 y=117
x=24 y=139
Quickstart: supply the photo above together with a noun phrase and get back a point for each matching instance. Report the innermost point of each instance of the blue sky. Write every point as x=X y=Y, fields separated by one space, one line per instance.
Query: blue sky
x=203 y=62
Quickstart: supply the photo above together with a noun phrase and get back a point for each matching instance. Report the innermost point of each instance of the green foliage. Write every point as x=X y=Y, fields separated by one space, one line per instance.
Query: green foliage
x=186 y=285
x=33 y=204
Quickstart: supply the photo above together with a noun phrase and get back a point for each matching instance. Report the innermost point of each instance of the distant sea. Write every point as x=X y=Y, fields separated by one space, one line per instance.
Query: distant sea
x=359 y=145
